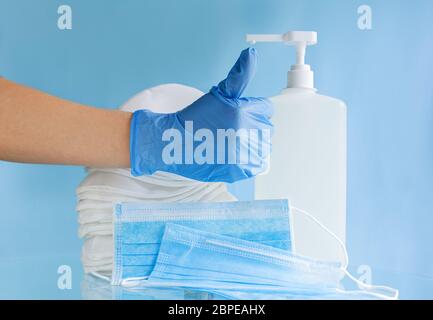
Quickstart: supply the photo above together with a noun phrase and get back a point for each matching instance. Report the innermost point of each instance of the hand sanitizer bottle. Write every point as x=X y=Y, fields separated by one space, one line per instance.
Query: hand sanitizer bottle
x=308 y=160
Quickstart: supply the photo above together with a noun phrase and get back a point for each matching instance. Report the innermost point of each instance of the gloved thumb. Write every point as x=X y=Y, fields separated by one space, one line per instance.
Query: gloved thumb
x=240 y=75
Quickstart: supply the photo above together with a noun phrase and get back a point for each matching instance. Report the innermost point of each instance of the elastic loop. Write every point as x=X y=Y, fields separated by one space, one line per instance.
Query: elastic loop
x=393 y=292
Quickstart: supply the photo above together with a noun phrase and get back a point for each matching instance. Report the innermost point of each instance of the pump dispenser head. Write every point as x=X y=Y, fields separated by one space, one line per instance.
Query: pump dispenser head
x=300 y=74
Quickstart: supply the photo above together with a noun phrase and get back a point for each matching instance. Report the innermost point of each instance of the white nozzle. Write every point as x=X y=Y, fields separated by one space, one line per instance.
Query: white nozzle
x=300 y=74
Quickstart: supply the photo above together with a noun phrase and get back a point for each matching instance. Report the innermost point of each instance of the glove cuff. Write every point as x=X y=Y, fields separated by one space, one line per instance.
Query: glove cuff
x=145 y=141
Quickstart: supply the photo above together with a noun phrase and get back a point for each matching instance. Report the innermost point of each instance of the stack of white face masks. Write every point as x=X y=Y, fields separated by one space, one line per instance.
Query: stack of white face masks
x=102 y=188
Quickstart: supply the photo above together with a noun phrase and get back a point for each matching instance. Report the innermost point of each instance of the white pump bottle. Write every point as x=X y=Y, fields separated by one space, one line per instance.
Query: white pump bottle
x=308 y=160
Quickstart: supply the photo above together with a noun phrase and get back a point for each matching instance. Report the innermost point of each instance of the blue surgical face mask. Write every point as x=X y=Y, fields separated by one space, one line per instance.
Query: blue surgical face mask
x=214 y=260
x=238 y=268
x=138 y=229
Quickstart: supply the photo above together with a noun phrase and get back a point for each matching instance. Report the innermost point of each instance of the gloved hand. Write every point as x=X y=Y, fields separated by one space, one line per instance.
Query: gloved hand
x=221 y=137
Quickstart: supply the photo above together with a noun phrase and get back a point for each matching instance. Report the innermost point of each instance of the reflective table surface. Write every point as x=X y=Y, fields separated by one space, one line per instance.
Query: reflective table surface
x=62 y=277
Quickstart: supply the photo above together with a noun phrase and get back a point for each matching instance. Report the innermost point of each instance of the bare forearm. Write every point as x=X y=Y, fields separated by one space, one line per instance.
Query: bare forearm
x=38 y=128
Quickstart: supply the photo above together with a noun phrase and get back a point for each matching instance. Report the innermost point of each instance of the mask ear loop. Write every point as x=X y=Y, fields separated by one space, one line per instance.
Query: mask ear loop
x=393 y=292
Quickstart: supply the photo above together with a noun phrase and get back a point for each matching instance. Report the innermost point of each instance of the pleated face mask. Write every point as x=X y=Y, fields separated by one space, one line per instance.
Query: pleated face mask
x=237 y=268
x=138 y=229
x=213 y=261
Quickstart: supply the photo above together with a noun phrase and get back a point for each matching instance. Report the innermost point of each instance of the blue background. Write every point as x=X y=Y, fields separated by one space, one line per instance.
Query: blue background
x=117 y=48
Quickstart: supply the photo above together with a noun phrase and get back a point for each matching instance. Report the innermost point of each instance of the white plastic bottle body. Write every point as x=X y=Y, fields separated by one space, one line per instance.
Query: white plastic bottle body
x=308 y=167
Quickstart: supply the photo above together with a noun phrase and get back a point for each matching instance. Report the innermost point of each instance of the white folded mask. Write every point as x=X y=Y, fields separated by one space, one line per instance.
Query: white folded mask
x=92 y=204
x=98 y=248
x=95 y=229
x=87 y=216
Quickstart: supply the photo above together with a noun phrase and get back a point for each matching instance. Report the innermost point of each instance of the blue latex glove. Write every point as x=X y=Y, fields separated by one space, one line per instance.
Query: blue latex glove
x=193 y=142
